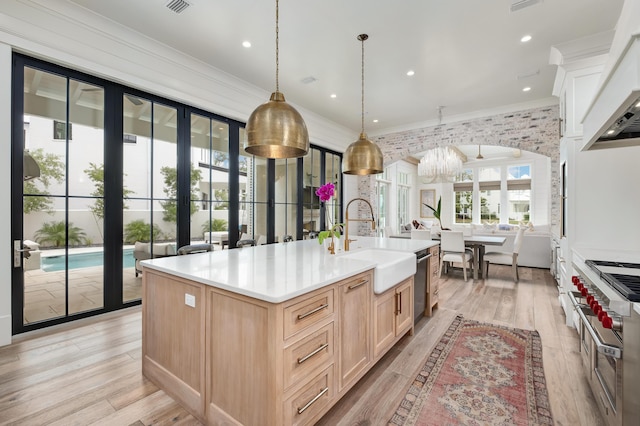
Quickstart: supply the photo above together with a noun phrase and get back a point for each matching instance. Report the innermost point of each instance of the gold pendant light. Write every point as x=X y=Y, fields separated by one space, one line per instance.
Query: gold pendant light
x=276 y=129
x=362 y=157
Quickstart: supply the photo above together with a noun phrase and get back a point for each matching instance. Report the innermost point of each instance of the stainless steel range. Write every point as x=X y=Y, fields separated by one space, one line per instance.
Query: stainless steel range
x=609 y=326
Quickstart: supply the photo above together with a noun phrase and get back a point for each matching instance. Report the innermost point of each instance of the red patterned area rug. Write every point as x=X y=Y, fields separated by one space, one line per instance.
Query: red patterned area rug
x=479 y=374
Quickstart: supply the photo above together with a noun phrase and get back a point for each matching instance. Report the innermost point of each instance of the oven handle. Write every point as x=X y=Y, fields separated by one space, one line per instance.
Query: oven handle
x=601 y=347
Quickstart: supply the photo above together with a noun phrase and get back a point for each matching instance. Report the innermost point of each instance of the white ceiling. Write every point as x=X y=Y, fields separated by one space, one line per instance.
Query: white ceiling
x=466 y=54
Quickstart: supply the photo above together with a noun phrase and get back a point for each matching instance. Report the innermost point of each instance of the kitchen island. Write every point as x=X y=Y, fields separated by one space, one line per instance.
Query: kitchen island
x=269 y=335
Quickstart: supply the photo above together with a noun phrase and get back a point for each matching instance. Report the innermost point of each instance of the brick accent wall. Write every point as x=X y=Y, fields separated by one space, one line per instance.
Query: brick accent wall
x=534 y=130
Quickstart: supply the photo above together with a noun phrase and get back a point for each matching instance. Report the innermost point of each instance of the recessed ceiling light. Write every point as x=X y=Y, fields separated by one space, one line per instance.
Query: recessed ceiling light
x=333 y=95
x=610 y=132
x=526 y=89
x=246 y=44
x=410 y=73
x=525 y=39
x=375 y=121
x=638 y=105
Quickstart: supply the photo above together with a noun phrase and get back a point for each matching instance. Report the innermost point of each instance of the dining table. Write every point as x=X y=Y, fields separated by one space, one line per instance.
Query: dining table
x=478 y=243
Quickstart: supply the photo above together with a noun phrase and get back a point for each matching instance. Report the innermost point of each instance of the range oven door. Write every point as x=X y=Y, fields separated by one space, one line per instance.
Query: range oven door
x=582 y=325
x=601 y=351
x=607 y=374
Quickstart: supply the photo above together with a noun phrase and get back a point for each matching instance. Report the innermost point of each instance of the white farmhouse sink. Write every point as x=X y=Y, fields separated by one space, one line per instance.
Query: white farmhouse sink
x=391 y=266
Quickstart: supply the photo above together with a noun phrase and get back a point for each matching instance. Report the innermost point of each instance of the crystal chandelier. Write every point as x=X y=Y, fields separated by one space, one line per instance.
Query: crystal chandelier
x=440 y=164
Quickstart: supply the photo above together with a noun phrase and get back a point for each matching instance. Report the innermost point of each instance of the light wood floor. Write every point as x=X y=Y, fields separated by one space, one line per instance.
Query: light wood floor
x=90 y=373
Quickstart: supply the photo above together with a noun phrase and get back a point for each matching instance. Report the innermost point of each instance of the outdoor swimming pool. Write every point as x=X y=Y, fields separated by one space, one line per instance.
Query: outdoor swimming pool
x=82 y=260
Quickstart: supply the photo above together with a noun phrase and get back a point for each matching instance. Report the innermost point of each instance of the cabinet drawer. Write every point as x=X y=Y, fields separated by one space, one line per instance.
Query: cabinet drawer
x=306 y=312
x=311 y=400
x=435 y=290
x=308 y=354
x=435 y=258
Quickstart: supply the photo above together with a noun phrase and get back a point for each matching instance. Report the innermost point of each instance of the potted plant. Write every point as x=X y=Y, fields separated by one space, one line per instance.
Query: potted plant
x=436 y=211
x=325 y=193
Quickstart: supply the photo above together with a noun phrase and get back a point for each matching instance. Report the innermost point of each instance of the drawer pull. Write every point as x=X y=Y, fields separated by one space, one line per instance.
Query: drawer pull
x=313 y=311
x=361 y=282
x=317 y=351
x=315 y=398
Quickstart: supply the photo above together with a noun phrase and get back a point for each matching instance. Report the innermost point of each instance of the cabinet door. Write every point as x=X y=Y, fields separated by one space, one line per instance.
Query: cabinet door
x=404 y=308
x=433 y=283
x=435 y=289
x=384 y=322
x=355 y=319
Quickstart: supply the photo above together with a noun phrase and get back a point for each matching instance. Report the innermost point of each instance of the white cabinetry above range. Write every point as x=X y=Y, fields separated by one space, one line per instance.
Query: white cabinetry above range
x=580 y=64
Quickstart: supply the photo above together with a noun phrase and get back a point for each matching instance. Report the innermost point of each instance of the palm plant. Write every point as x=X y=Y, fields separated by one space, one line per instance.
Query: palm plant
x=214 y=225
x=436 y=211
x=57 y=233
x=139 y=230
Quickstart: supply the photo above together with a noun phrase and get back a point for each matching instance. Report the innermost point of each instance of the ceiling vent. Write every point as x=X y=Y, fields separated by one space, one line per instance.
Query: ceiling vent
x=521 y=4
x=178 y=6
x=529 y=73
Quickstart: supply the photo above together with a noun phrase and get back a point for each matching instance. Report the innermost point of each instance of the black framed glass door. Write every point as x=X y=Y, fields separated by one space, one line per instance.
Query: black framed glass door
x=104 y=176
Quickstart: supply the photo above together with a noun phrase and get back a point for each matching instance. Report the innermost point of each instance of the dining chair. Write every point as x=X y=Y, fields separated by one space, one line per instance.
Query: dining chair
x=452 y=249
x=506 y=258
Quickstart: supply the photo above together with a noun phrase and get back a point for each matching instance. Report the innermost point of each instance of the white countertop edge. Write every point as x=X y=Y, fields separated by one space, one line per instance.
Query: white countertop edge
x=598 y=253
x=304 y=266
x=364 y=266
x=582 y=253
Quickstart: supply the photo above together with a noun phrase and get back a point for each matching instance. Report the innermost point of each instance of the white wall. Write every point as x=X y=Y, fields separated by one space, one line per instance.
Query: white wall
x=607 y=204
x=5 y=194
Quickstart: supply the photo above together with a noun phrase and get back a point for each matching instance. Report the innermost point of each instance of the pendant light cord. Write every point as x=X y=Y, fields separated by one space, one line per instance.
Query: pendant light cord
x=362 y=86
x=362 y=38
x=277 y=47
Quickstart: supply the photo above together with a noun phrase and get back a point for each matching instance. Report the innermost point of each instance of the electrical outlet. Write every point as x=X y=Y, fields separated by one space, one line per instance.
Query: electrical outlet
x=190 y=300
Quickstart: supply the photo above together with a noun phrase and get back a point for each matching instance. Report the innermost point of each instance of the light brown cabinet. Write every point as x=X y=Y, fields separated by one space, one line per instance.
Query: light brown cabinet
x=236 y=360
x=433 y=283
x=355 y=324
x=392 y=316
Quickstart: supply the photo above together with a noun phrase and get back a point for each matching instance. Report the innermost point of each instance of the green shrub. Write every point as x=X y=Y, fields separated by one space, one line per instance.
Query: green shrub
x=56 y=233
x=214 y=225
x=139 y=230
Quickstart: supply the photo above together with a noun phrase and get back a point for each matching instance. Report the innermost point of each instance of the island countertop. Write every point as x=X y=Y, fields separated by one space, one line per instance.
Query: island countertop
x=277 y=272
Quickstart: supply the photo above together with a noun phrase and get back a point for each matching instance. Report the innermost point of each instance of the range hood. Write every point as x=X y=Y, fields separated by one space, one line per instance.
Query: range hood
x=613 y=119
x=622 y=129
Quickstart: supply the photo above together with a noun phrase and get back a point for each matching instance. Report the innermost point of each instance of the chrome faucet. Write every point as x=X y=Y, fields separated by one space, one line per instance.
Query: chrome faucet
x=346 y=225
